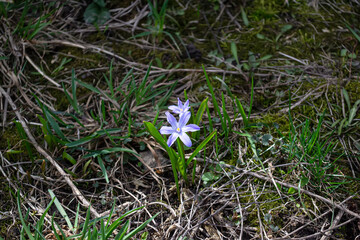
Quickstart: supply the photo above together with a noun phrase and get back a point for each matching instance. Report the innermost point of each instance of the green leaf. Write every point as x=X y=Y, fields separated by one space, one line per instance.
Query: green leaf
x=260 y=36
x=266 y=138
x=266 y=57
x=234 y=52
x=353 y=111
x=267 y=217
x=95 y=14
x=343 y=52
x=346 y=96
x=352 y=55
x=286 y=28
x=209 y=176
x=155 y=133
x=303 y=181
x=244 y=17
x=199 y=116
x=101 y=3
x=201 y=146
x=201 y=111
x=291 y=190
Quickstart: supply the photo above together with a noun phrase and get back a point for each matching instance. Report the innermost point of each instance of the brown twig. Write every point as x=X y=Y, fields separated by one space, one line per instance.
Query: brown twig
x=47 y=156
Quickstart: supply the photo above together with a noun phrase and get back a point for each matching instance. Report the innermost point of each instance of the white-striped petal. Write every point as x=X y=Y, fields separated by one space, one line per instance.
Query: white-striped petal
x=166 y=130
x=184 y=118
x=185 y=139
x=191 y=128
x=175 y=109
x=186 y=105
x=172 y=120
x=172 y=138
x=180 y=103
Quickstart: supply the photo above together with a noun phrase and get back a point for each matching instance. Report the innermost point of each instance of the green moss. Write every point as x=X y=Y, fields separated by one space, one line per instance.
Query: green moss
x=9 y=138
x=5 y=206
x=270 y=203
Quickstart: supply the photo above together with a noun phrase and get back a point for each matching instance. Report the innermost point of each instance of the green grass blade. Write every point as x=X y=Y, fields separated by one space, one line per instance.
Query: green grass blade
x=76 y=224
x=24 y=137
x=54 y=124
x=123 y=230
x=112 y=227
x=68 y=157
x=88 y=86
x=227 y=119
x=40 y=223
x=73 y=89
x=210 y=119
x=201 y=111
x=242 y=112
x=54 y=229
x=141 y=227
x=102 y=229
x=353 y=32
x=24 y=226
x=199 y=116
x=81 y=141
x=86 y=224
x=61 y=209
x=216 y=105
x=103 y=168
x=251 y=96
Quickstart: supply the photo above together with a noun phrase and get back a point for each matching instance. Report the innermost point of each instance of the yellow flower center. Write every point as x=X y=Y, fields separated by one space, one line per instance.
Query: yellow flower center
x=178 y=129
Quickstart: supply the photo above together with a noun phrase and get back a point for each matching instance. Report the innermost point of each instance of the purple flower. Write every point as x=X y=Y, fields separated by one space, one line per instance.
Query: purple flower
x=180 y=109
x=179 y=129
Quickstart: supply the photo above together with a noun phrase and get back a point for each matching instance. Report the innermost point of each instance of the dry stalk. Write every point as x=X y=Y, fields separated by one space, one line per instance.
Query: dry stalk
x=66 y=176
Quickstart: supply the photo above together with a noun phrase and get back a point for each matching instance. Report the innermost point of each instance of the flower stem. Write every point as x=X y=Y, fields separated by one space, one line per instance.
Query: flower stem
x=182 y=162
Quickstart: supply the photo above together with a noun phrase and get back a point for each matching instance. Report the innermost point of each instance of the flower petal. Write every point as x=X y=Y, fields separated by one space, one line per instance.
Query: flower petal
x=172 y=120
x=172 y=138
x=175 y=109
x=184 y=118
x=166 y=130
x=190 y=128
x=185 y=139
x=180 y=103
x=186 y=105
